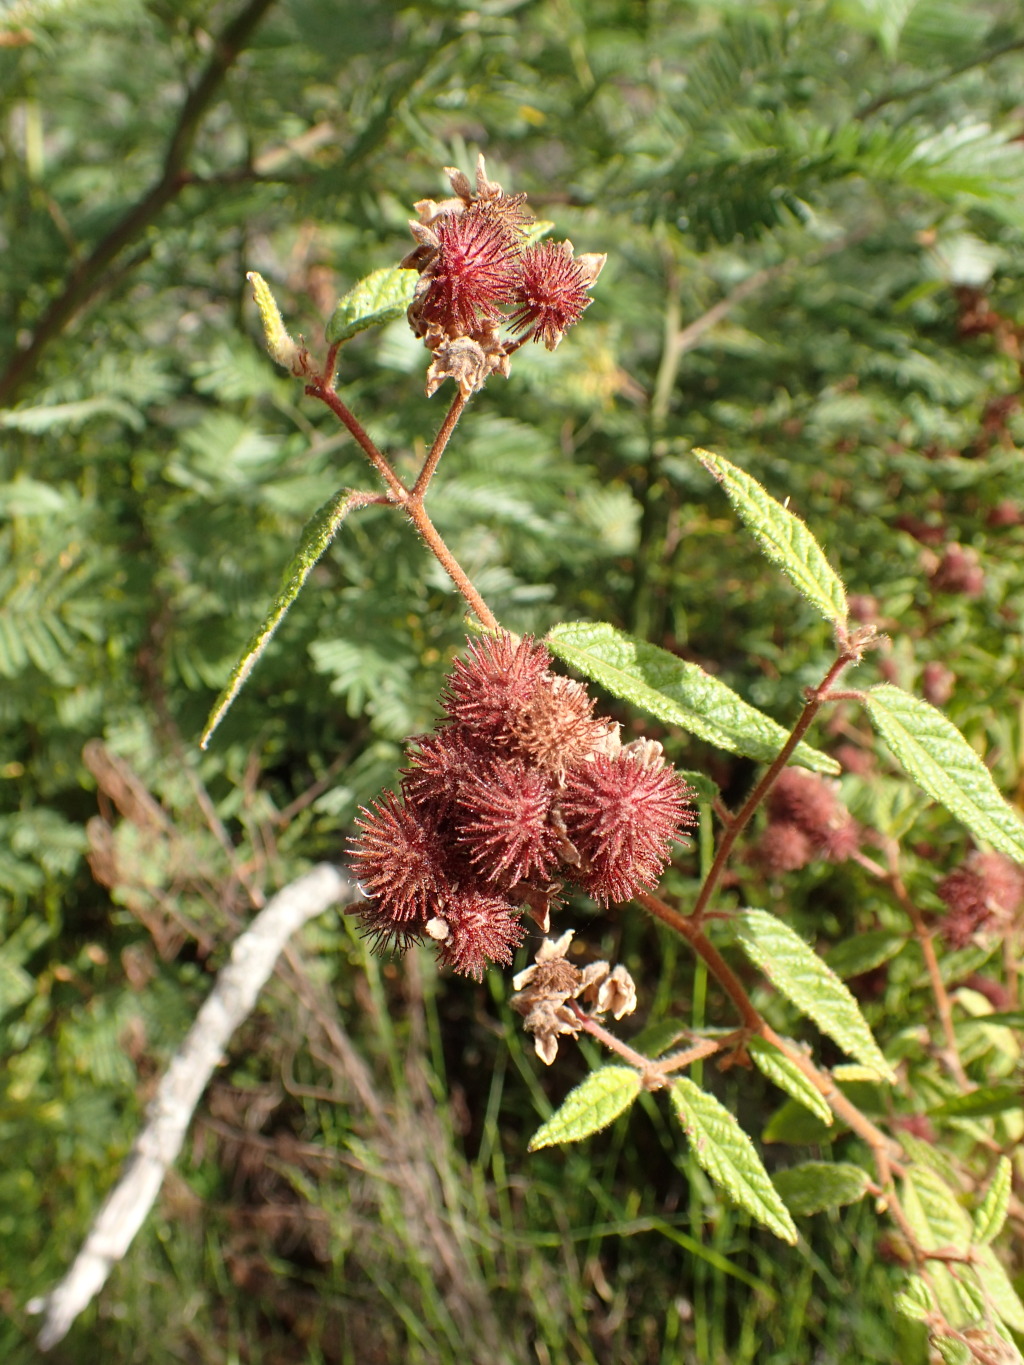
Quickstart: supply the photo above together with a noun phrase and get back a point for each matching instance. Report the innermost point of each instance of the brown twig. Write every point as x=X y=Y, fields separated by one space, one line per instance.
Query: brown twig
x=89 y=276
x=891 y=878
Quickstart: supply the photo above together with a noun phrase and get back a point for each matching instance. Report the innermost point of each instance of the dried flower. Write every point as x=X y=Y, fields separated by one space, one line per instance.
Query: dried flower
x=493 y=684
x=481 y=929
x=504 y=822
x=809 y=803
x=475 y=265
x=399 y=860
x=544 y=988
x=518 y=787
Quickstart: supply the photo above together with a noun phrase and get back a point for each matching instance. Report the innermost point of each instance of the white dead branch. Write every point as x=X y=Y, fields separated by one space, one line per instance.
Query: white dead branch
x=157 y=1146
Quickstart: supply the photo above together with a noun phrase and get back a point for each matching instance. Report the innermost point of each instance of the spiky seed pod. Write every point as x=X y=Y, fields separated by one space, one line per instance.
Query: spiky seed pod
x=494 y=683
x=504 y=823
x=440 y=765
x=399 y=861
x=556 y=728
x=988 y=886
x=482 y=928
x=551 y=291
x=623 y=817
x=810 y=803
x=471 y=275
x=783 y=847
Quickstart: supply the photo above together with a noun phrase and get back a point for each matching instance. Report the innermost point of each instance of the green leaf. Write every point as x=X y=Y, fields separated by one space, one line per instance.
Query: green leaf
x=381 y=297
x=280 y=345
x=997 y=1290
x=817 y=1185
x=793 y=1124
x=915 y=1300
x=935 y=754
x=783 y=537
x=724 y=1151
x=981 y=1103
x=990 y=1215
x=676 y=691
x=596 y=1102
x=317 y=534
x=864 y=952
x=788 y=1077
x=798 y=973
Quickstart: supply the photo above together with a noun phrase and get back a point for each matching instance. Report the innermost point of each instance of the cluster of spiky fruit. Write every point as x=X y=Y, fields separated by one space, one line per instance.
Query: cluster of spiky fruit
x=518 y=789
x=480 y=270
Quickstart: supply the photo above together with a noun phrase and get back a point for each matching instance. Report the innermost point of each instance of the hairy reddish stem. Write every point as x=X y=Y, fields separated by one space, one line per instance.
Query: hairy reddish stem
x=410 y=500
x=437 y=449
x=739 y=822
x=319 y=387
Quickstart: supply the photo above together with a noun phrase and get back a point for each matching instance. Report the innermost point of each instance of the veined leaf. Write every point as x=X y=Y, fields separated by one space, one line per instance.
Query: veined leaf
x=317 y=534
x=381 y=297
x=783 y=537
x=935 y=754
x=938 y=1221
x=798 y=973
x=817 y=1185
x=990 y=1214
x=997 y=1290
x=788 y=1077
x=915 y=1300
x=981 y=1103
x=724 y=1151
x=793 y=1124
x=863 y=952
x=593 y=1105
x=677 y=692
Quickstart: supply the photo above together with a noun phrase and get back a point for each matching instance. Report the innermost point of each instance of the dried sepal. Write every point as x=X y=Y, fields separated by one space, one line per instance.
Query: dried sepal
x=544 y=989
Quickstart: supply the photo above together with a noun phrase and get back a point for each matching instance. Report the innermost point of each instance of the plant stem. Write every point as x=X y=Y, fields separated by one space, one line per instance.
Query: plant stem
x=892 y=879
x=319 y=387
x=739 y=822
x=417 y=514
x=437 y=449
x=881 y=1147
x=411 y=500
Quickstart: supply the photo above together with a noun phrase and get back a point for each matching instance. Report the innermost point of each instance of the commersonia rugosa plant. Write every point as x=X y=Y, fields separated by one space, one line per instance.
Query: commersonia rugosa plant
x=524 y=796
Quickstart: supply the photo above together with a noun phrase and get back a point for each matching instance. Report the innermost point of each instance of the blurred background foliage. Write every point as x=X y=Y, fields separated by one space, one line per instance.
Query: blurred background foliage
x=814 y=215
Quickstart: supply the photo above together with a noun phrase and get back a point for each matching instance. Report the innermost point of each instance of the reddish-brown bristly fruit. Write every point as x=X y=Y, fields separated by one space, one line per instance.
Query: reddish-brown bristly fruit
x=519 y=786
x=987 y=888
x=550 y=294
x=480 y=273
